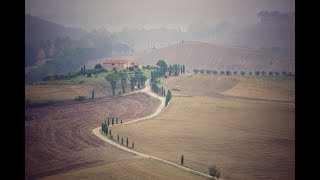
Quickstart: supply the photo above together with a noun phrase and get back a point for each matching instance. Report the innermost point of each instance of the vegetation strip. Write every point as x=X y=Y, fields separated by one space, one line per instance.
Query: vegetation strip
x=147 y=90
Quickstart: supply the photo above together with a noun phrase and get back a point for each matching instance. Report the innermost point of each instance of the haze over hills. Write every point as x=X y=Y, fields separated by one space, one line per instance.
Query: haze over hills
x=218 y=57
x=51 y=48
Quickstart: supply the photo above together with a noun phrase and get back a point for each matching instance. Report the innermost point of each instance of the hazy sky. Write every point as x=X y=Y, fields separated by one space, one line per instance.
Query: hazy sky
x=114 y=14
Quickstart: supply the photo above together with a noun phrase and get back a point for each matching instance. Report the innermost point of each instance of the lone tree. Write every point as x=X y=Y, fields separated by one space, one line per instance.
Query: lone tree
x=124 y=77
x=113 y=78
x=117 y=137
x=163 y=67
x=182 y=160
x=213 y=171
x=127 y=141
x=92 y=94
x=110 y=132
x=112 y=120
x=132 y=83
x=116 y=120
x=98 y=66
x=121 y=121
x=121 y=140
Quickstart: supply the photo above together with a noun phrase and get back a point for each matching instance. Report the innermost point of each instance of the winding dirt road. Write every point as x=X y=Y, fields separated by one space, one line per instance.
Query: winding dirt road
x=147 y=90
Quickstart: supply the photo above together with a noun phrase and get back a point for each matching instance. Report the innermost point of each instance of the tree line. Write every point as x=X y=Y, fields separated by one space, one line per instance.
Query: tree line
x=137 y=79
x=203 y=71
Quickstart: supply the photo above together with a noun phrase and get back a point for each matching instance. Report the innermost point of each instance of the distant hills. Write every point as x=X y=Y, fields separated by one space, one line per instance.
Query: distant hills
x=197 y=55
x=51 y=48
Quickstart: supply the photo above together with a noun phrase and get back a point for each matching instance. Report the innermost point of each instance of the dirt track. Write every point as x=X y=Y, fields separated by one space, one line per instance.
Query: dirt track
x=60 y=137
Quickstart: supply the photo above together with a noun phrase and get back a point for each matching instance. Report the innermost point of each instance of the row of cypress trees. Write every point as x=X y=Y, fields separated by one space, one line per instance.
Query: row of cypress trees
x=202 y=71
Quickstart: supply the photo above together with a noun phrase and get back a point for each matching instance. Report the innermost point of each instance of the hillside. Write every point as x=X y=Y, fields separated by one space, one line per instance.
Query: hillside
x=218 y=57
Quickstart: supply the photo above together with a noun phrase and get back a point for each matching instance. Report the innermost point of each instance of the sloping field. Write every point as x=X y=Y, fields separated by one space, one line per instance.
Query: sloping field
x=196 y=55
x=276 y=88
x=244 y=139
x=61 y=139
x=129 y=169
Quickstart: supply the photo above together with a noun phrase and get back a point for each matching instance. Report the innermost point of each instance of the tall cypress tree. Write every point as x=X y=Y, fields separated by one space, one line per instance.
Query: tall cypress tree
x=106 y=129
x=102 y=127
x=92 y=94
x=108 y=122
x=181 y=69
x=122 y=140
x=117 y=137
x=112 y=120
x=127 y=141
x=116 y=120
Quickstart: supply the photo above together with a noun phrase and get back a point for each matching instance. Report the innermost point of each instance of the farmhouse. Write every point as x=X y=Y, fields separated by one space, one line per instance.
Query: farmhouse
x=119 y=64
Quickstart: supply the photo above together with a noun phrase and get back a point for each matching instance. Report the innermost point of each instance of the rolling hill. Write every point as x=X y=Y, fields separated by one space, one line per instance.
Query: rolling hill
x=219 y=57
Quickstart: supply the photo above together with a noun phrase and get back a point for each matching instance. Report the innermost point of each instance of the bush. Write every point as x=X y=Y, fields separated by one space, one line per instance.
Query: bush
x=98 y=66
x=250 y=73
x=202 y=71
x=213 y=171
x=228 y=72
x=80 y=98
x=221 y=72
x=196 y=71
x=242 y=73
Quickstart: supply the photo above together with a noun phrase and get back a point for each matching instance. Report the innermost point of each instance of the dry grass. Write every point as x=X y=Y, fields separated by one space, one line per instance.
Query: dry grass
x=244 y=139
x=138 y=168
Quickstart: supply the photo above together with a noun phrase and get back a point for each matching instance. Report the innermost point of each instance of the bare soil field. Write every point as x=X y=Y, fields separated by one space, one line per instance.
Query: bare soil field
x=60 y=138
x=245 y=139
x=138 y=168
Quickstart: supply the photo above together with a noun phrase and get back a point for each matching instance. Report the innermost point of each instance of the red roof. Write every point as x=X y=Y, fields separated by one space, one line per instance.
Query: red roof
x=116 y=61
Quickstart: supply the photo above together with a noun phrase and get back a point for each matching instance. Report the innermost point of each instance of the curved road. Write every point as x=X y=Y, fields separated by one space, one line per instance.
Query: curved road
x=148 y=91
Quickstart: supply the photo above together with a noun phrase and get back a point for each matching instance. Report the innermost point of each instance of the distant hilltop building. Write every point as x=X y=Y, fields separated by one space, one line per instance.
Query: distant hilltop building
x=120 y=64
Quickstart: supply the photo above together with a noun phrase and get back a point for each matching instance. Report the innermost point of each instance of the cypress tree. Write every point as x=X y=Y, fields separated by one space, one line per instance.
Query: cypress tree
x=116 y=120
x=184 y=70
x=121 y=121
x=81 y=70
x=132 y=144
x=110 y=132
x=117 y=137
x=122 y=140
x=92 y=94
x=164 y=92
x=84 y=69
x=102 y=127
x=181 y=69
x=127 y=141
x=106 y=129
x=112 y=120
x=108 y=122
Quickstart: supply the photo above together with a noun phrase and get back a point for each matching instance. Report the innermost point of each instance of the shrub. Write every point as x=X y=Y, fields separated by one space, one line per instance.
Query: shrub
x=80 y=98
x=213 y=171
x=250 y=73
x=263 y=72
x=228 y=72
x=242 y=73
x=221 y=72
x=270 y=73
x=235 y=72
x=277 y=73
x=202 y=71
x=257 y=73
x=215 y=72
